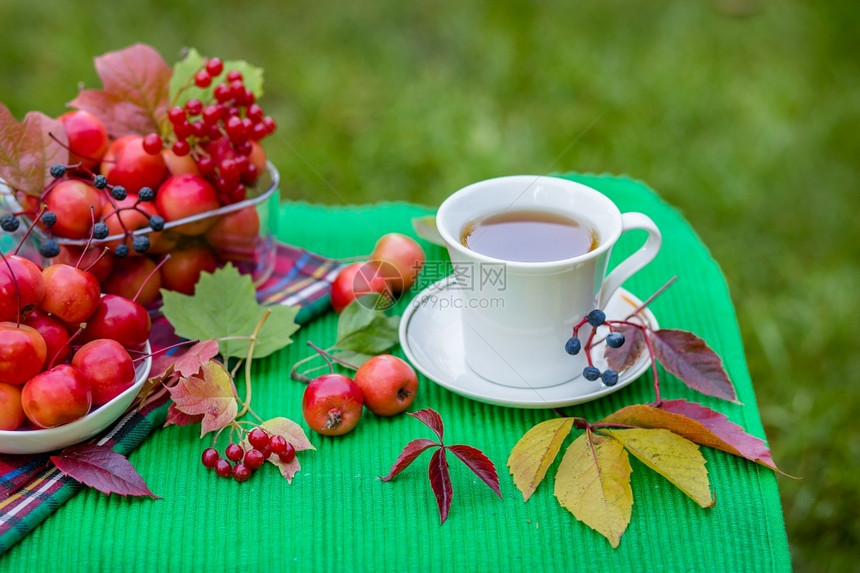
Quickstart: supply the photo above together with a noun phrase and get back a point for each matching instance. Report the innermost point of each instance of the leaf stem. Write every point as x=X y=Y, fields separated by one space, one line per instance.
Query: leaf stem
x=247 y=403
x=653 y=355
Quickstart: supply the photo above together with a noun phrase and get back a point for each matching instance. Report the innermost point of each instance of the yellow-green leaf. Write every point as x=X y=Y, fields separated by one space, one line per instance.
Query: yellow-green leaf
x=675 y=458
x=593 y=483
x=535 y=452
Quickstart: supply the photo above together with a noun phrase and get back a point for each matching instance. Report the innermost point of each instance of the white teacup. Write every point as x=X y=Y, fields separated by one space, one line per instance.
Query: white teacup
x=517 y=316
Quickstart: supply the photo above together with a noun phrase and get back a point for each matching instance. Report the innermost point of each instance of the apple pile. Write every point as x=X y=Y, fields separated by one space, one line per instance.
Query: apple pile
x=45 y=379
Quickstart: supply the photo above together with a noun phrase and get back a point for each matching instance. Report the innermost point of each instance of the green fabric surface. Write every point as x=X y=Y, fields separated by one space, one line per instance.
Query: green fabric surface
x=337 y=514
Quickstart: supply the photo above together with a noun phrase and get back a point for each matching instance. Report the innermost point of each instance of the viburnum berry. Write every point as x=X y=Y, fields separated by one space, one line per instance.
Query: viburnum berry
x=176 y=115
x=194 y=106
x=99 y=181
x=615 y=340
x=234 y=452
x=100 y=231
x=223 y=467
x=258 y=438
x=221 y=93
x=214 y=66
x=140 y=244
x=156 y=222
x=49 y=249
x=209 y=457
x=202 y=79
x=152 y=144
x=181 y=148
x=278 y=444
x=289 y=454
x=596 y=317
x=573 y=345
x=241 y=472
x=146 y=194
x=121 y=251
x=9 y=223
x=591 y=373
x=254 y=458
x=118 y=192
x=609 y=377
x=58 y=170
x=49 y=218
x=234 y=76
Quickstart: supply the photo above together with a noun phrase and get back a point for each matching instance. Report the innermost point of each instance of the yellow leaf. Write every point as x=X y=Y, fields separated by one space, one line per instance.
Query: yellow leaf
x=675 y=458
x=593 y=483
x=535 y=452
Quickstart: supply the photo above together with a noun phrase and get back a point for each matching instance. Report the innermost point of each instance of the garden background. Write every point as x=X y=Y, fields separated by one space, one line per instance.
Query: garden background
x=743 y=114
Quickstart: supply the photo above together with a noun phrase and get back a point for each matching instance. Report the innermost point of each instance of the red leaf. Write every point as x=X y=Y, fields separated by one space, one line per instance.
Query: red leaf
x=27 y=150
x=480 y=464
x=412 y=450
x=190 y=362
x=440 y=481
x=736 y=440
x=103 y=469
x=431 y=419
x=622 y=358
x=210 y=395
x=688 y=357
x=176 y=417
x=136 y=91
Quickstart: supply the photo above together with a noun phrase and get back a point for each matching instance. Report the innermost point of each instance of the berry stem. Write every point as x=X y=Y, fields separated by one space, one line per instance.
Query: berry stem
x=149 y=276
x=89 y=239
x=651 y=298
x=247 y=404
x=105 y=251
x=32 y=226
x=653 y=355
x=166 y=348
x=322 y=353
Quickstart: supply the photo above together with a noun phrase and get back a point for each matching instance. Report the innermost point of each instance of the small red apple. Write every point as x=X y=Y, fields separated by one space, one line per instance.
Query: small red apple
x=183 y=269
x=88 y=138
x=107 y=368
x=332 y=404
x=128 y=164
x=76 y=203
x=360 y=279
x=186 y=195
x=387 y=383
x=22 y=353
x=58 y=396
x=11 y=411
x=404 y=254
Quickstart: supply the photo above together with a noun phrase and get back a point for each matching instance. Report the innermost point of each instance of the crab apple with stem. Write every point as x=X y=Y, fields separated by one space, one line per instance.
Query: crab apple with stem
x=107 y=368
x=23 y=352
x=127 y=163
x=179 y=164
x=135 y=278
x=21 y=286
x=404 y=254
x=57 y=396
x=11 y=412
x=355 y=280
x=96 y=260
x=235 y=234
x=387 y=383
x=72 y=201
x=182 y=196
x=54 y=333
x=71 y=294
x=332 y=404
x=88 y=137
x=182 y=271
x=120 y=319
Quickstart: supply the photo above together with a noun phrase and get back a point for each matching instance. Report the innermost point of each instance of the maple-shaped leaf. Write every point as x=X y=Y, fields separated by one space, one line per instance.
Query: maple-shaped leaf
x=440 y=481
x=698 y=424
x=688 y=357
x=534 y=453
x=102 y=468
x=411 y=451
x=27 y=150
x=675 y=458
x=431 y=419
x=183 y=88
x=593 y=483
x=176 y=417
x=135 y=97
x=189 y=362
x=210 y=394
x=292 y=433
x=224 y=306
x=480 y=465
x=623 y=357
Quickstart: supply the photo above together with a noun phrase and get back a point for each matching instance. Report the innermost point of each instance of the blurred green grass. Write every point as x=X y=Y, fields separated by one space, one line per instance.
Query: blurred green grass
x=743 y=114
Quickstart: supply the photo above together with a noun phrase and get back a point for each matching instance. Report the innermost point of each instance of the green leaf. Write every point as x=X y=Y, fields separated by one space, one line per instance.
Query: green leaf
x=182 y=86
x=223 y=305
x=366 y=331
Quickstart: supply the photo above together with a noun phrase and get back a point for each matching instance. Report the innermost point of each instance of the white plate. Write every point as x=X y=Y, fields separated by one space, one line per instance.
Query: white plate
x=431 y=336
x=48 y=440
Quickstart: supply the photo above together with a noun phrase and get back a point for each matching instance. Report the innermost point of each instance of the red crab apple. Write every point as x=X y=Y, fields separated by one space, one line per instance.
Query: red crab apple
x=332 y=404
x=88 y=138
x=75 y=203
x=107 y=368
x=22 y=353
x=11 y=411
x=182 y=270
x=184 y=196
x=120 y=319
x=355 y=280
x=130 y=274
x=126 y=163
x=57 y=396
x=235 y=234
x=387 y=383
x=404 y=254
x=54 y=333
x=27 y=281
x=95 y=260
x=71 y=294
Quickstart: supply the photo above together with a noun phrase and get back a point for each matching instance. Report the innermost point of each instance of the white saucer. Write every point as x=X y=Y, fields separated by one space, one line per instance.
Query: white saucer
x=431 y=335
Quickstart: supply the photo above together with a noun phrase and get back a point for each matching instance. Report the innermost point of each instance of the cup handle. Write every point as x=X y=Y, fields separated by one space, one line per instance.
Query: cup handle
x=644 y=255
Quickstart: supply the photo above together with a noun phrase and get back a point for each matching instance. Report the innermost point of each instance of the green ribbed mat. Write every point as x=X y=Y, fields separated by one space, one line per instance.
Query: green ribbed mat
x=337 y=516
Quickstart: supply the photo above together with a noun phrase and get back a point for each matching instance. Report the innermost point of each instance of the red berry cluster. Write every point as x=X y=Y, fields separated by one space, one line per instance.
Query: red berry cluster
x=45 y=378
x=220 y=134
x=240 y=463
